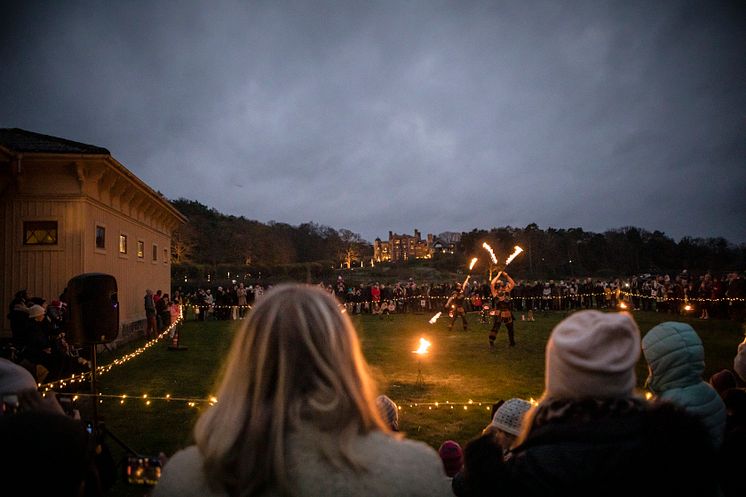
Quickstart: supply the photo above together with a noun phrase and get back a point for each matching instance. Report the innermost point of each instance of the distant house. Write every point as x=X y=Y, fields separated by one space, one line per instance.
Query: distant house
x=69 y=208
x=401 y=248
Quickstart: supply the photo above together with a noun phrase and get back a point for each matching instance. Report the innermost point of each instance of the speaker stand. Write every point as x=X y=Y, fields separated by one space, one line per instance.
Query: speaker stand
x=94 y=386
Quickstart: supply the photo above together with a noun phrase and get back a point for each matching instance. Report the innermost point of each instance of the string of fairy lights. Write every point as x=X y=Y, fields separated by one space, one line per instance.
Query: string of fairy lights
x=541 y=298
x=146 y=400
x=86 y=376
x=194 y=402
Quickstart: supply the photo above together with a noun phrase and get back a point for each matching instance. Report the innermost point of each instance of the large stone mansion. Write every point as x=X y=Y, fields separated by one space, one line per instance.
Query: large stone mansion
x=400 y=248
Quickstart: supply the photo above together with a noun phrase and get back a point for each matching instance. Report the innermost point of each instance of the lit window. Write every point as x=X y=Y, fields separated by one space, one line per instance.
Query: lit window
x=140 y=249
x=40 y=233
x=100 y=237
x=122 y=244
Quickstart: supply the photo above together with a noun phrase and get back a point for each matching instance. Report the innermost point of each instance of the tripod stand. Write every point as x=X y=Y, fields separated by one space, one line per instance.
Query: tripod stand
x=98 y=427
x=420 y=382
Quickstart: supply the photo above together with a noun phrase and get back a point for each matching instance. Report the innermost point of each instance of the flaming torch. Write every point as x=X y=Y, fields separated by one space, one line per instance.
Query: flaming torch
x=471 y=266
x=421 y=351
x=492 y=253
x=423 y=348
x=516 y=250
x=435 y=318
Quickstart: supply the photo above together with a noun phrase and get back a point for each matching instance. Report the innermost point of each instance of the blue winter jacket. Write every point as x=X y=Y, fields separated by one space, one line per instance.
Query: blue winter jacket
x=676 y=359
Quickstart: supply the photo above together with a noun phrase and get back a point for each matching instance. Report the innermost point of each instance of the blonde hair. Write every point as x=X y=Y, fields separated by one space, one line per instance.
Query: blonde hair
x=297 y=358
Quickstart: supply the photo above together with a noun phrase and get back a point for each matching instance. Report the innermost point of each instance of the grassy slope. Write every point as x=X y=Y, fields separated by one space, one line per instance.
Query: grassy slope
x=460 y=367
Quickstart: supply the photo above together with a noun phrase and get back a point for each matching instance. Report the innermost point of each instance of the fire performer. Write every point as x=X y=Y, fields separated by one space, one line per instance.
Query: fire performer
x=455 y=306
x=501 y=303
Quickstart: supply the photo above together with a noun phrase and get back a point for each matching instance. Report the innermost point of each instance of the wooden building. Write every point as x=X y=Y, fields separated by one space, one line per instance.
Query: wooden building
x=68 y=208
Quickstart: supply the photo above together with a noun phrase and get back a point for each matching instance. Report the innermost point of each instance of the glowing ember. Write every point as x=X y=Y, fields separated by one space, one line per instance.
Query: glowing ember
x=435 y=318
x=471 y=264
x=516 y=250
x=492 y=253
x=424 y=345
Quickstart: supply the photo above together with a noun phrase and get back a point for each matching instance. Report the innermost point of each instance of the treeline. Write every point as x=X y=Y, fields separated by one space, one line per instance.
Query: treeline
x=212 y=240
x=219 y=244
x=562 y=253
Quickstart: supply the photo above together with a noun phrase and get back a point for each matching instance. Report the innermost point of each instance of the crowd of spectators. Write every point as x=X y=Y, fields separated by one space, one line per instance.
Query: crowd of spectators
x=321 y=430
x=705 y=296
x=38 y=340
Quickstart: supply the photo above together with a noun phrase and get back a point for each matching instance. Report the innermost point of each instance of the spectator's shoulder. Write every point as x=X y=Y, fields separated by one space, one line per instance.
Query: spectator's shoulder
x=183 y=476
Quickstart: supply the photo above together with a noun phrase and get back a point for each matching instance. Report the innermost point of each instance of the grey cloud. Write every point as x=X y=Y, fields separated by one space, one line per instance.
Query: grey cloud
x=389 y=115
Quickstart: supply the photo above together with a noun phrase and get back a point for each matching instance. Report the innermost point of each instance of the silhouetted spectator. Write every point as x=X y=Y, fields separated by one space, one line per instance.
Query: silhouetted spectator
x=452 y=455
x=590 y=434
x=296 y=414
x=676 y=362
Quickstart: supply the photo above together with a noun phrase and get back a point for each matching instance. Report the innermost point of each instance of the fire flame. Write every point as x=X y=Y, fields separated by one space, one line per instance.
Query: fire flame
x=492 y=253
x=516 y=250
x=471 y=264
x=622 y=305
x=424 y=345
x=435 y=318
x=687 y=307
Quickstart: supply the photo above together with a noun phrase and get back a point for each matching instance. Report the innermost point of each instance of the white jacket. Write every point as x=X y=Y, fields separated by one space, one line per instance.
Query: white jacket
x=395 y=467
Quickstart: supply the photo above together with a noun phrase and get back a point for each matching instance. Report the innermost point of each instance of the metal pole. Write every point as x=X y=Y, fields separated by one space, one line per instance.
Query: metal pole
x=94 y=387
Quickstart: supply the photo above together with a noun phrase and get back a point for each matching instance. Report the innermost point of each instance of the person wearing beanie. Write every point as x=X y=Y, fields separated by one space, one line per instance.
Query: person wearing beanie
x=36 y=312
x=14 y=379
x=676 y=362
x=38 y=350
x=452 y=456
x=592 y=354
x=507 y=421
x=591 y=433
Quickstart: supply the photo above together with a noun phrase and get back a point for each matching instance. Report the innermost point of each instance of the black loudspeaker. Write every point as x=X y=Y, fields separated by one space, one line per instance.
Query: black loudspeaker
x=92 y=309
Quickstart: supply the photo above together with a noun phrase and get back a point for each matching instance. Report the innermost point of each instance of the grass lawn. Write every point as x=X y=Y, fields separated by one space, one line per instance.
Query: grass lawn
x=460 y=373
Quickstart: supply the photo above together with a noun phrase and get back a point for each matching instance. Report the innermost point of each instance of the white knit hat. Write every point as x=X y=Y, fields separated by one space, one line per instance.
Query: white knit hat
x=35 y=311
x=592 y=354
x=509 y=416
x=14 y=378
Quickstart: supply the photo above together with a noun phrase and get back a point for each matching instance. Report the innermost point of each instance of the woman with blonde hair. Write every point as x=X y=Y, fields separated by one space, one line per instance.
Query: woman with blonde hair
x=296 y=415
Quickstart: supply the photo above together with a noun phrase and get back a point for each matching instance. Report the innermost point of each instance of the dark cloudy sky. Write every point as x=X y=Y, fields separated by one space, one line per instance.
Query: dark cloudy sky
x=378 y=116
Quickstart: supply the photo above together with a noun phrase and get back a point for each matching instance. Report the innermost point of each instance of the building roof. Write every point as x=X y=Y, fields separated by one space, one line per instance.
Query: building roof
x=22 y=141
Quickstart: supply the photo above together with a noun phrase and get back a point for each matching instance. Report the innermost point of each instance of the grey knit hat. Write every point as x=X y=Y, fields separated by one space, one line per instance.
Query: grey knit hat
x=509 y=416
x=14 y=378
